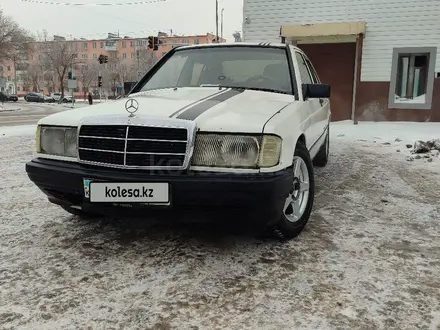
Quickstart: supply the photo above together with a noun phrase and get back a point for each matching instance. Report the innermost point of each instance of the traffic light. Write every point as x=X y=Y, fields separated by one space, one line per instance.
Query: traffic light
x=69 y=75
x=153 y=43
x=99 y=81
x=102 y=59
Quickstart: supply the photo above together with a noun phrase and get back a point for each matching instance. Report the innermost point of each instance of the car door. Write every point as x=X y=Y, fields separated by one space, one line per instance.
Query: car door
x=312 y=105
x=322 y=114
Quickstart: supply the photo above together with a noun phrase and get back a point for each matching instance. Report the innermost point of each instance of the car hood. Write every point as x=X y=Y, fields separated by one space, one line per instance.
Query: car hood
x=212 y=109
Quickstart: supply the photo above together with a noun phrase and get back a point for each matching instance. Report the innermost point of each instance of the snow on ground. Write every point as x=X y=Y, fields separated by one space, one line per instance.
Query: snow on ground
x=368 y=259
x=9 y=107
x=22 y=130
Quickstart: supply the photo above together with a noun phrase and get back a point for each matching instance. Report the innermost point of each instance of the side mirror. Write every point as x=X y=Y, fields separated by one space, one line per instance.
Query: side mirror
x=316 y=91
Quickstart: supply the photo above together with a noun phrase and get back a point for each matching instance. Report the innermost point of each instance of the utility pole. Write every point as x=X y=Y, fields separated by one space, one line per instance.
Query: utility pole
x=72 y=90
x=221 y=23
x=216 y=21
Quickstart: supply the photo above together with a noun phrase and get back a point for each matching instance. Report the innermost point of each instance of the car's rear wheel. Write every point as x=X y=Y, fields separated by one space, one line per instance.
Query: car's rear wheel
x=298 y=205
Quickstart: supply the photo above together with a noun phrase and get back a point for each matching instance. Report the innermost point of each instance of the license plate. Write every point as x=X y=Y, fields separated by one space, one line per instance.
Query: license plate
x=124 y=192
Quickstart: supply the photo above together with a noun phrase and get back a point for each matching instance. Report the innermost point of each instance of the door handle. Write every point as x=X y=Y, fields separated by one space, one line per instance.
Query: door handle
x=321 y=101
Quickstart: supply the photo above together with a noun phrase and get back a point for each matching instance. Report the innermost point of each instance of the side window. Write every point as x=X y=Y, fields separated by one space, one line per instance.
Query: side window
x=303 y=71
x=313 y=72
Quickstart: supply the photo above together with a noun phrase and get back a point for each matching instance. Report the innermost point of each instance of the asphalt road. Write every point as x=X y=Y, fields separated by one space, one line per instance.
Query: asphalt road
x=30 y=113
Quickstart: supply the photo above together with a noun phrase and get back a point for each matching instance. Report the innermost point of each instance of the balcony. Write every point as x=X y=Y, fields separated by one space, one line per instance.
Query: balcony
x=111 y=46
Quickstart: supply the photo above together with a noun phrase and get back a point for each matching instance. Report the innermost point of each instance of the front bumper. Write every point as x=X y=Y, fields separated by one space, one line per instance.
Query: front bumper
x=260 y=195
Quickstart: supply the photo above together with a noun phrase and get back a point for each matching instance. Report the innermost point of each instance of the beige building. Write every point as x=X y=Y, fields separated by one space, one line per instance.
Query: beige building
x=128 y=59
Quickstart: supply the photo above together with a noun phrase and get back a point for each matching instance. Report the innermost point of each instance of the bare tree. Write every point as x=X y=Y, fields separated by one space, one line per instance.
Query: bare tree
x=33 y=77
x=50 y=80
x=13 y=38
x=59 y=56
x=88 y=72
x=145 y=59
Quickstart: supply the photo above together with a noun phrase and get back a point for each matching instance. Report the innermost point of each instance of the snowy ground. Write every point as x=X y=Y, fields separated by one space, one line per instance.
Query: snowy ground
x=369 y=258
x=9 y=106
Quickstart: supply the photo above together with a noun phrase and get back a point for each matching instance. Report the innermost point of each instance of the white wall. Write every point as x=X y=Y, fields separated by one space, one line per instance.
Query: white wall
x=390 y=23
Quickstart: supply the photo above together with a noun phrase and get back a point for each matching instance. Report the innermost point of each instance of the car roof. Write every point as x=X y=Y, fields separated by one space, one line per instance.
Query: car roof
x=243 y=44
x=230 y=44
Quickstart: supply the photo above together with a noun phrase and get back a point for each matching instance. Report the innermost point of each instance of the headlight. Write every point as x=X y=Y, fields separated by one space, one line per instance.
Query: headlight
x=239 y=151
x=59 y=141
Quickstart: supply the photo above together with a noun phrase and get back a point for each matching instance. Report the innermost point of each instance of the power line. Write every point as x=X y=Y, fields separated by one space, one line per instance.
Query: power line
x=134 y=3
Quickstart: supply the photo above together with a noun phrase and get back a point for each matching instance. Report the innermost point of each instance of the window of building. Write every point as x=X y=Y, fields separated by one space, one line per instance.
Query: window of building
x=196 y=41
x=85 y=45
x=412 y=78
x=131 y=43
x=124 y=55
x=124 y=44
x=94 y=45
x=101 y=44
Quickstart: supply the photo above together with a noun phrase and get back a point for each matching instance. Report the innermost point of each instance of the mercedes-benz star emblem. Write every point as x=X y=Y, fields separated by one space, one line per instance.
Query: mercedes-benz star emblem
x=131 y=106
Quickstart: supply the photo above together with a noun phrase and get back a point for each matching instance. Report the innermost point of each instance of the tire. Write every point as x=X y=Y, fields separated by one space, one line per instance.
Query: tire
x=79 y=213
x=290 y=226
x=321 y=158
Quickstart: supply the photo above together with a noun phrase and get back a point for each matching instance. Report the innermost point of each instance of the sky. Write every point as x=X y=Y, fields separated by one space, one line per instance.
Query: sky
x=183 y=17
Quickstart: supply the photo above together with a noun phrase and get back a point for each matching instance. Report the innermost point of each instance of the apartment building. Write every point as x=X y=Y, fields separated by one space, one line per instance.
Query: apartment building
x=7 y=78
x=381 y=59
x=129 y=58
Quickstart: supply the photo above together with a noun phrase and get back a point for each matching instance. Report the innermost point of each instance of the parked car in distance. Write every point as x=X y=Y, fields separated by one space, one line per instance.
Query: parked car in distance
x=48 y=99
x=67 y=99
x=13 y=97
x=3 y=97
x=57 y=96
x=238 y=126
x=34 y=97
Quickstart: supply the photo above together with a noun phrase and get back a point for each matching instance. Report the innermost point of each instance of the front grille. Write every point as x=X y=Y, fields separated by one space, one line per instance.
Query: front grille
x=133 y=146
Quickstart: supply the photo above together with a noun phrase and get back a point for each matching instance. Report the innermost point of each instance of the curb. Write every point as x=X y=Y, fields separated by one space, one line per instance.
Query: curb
x=10 y=110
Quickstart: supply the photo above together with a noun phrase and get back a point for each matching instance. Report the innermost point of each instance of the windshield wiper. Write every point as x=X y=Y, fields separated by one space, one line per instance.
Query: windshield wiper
x=270 y=90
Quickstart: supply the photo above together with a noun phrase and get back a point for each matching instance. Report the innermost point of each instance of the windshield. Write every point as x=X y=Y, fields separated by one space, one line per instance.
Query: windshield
x=261 y=68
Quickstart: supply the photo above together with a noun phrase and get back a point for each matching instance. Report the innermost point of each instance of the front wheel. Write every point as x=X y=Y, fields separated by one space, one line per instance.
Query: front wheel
x=298 y=205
